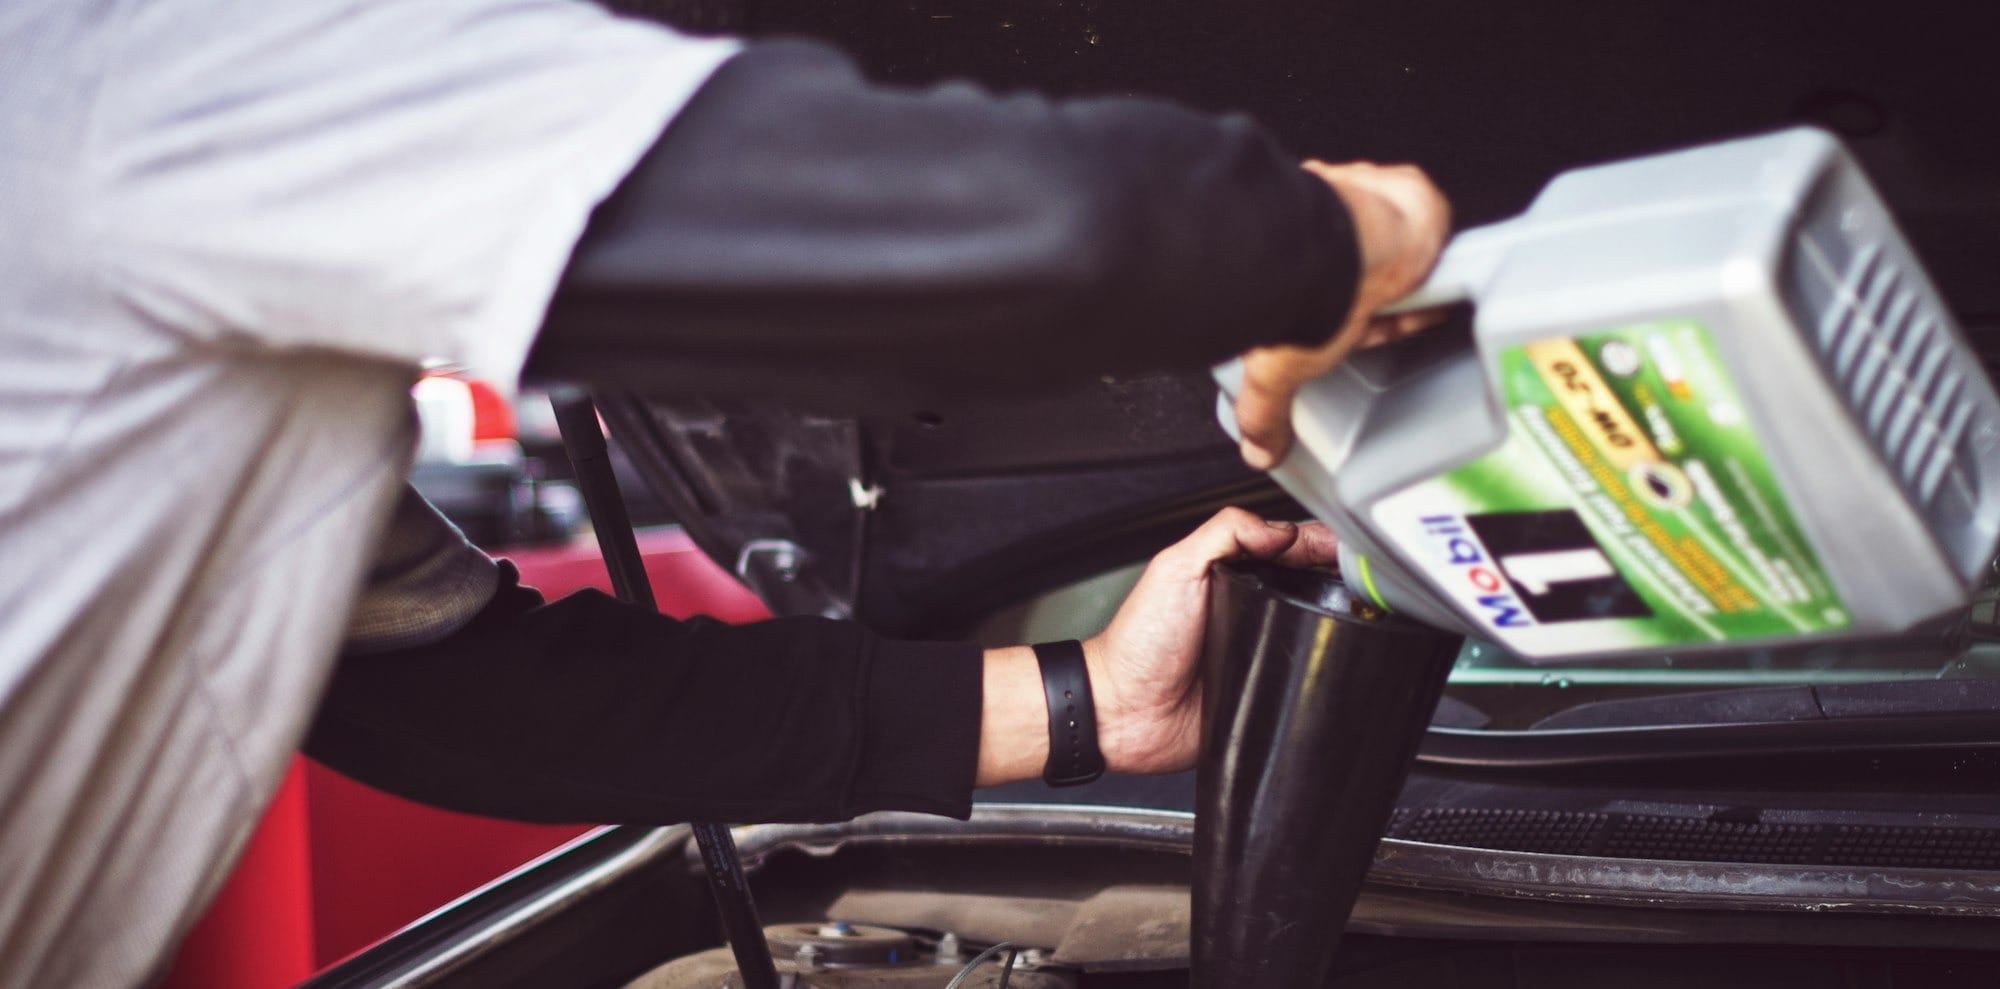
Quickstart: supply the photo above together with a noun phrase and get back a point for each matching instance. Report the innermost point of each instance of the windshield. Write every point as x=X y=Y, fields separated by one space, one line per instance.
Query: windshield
x=1492 y=689
x=1503 y=692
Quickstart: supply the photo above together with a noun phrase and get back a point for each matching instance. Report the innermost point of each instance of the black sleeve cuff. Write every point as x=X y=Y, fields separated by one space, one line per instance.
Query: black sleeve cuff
x=1332 y=248
x=920 y=740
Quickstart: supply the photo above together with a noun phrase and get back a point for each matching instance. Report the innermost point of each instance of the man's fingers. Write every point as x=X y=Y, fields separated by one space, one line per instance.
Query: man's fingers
x=1264 y=415
x=1272 y=376
x=1231 y=534
x=1316 y=546
x=1235 y=533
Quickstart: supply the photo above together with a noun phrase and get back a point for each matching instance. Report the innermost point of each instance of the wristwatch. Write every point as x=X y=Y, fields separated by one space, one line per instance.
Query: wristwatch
x=1074 y=758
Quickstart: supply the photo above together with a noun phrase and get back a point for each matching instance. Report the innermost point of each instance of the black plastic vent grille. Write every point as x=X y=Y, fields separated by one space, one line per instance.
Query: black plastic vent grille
x=1931 y=848
x=1722 y=838
x=1552 y=831
x=1696 y=840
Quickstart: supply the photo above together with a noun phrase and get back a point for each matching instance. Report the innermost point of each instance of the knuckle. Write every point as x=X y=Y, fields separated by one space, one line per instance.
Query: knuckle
x=1257 y=415
x=1234 y=515
x=1264 y=432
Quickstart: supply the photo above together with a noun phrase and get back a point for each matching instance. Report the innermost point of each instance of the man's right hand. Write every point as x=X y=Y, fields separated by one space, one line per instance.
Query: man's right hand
x=1401 y=220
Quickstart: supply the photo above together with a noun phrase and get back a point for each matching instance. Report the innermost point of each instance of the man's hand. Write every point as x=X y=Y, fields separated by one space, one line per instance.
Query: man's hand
x=1144 y=667
x=1401 y=220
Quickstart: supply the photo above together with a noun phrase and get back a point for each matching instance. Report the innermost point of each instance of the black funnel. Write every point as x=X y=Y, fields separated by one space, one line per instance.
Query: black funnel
x=1314 y=704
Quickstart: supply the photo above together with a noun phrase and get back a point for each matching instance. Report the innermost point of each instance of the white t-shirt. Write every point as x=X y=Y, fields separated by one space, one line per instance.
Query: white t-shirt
x=230 y=230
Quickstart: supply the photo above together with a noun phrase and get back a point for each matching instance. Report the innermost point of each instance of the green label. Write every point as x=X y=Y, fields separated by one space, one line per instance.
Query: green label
x=1631 y=506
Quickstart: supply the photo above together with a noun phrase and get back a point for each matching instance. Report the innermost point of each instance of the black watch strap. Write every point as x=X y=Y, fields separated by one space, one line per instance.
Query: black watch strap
x=1074 y=758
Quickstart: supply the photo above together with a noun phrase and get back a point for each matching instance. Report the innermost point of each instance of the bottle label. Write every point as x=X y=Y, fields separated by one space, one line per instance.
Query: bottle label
x=1631 y=506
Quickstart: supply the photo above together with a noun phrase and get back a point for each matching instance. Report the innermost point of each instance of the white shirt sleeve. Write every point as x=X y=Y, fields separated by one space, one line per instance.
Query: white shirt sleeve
x=401 y=179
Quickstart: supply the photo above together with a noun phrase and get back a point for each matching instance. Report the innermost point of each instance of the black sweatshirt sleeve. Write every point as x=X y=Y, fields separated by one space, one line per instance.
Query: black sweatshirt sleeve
x=590 y=709
x=796 y=222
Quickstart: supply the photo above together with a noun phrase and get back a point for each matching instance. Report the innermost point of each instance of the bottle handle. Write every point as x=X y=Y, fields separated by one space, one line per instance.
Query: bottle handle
x=1463 y=271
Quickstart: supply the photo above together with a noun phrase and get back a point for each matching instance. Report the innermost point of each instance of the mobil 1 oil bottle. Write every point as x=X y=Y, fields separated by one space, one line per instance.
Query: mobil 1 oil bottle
x=1710 y=400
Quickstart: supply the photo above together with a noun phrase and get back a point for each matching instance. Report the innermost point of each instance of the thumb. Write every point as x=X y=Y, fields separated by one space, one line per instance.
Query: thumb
x=1234 y=533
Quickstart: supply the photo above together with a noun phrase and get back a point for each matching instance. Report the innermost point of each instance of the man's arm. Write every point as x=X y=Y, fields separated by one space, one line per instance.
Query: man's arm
x=796 y=223
x=589 y=709
x=460 y=687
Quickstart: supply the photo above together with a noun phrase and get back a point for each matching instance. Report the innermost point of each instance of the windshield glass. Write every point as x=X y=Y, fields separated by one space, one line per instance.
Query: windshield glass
x=1503 y=692
x=1492 y=689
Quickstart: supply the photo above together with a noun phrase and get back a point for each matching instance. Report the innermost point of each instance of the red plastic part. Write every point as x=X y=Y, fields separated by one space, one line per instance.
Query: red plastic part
x=492 y=416
x=336 y=866
x=259 y=930
x=379 y=861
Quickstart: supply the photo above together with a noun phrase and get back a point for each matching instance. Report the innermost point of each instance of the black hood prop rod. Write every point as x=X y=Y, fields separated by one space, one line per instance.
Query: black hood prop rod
x=583 y=439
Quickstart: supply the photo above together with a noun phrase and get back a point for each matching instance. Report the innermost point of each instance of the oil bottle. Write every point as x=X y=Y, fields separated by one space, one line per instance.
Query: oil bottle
x=1711 y=400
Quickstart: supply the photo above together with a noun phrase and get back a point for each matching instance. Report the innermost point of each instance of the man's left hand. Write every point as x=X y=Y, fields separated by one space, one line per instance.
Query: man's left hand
x=1145 y=666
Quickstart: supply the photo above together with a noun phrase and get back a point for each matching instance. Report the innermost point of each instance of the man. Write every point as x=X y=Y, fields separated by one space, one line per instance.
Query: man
x=232 y=232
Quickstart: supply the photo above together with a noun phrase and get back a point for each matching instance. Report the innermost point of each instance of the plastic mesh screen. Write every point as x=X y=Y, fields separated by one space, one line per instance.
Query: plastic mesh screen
x=1696 y=839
